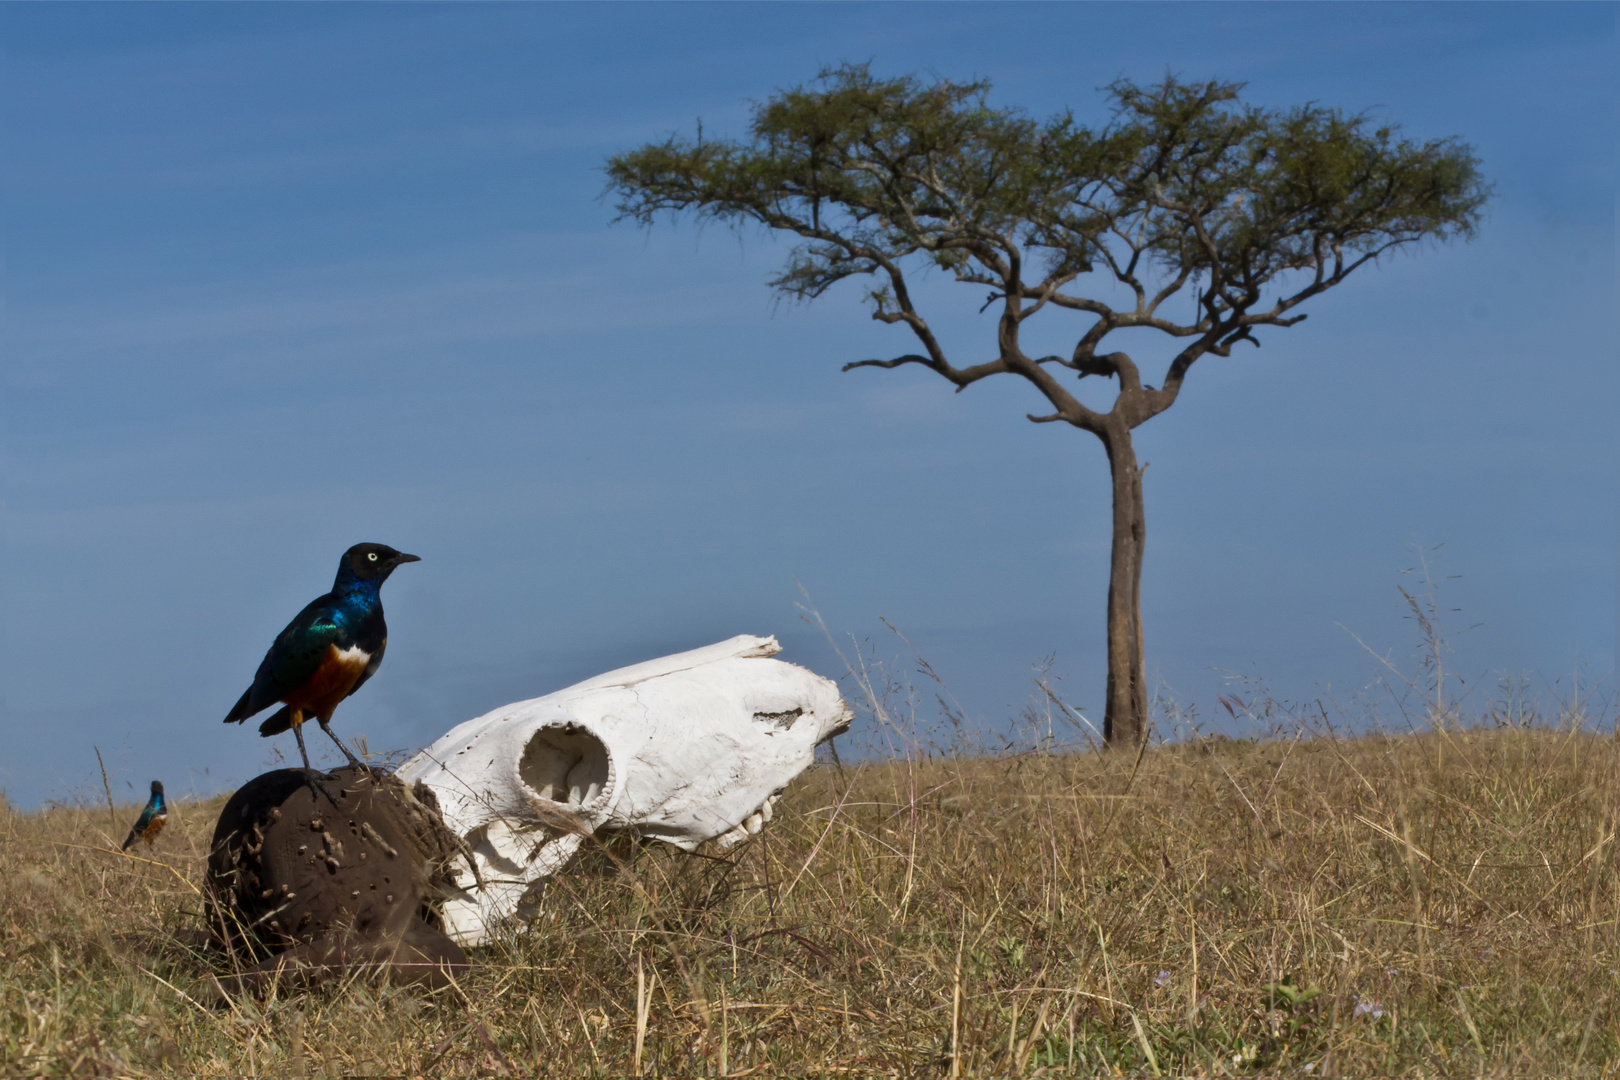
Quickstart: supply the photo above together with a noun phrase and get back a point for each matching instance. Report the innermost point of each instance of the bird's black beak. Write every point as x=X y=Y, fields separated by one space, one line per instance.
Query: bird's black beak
x=404 y=558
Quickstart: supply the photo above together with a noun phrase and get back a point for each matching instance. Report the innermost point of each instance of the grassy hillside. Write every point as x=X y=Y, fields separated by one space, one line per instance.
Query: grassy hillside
x=1442 y=903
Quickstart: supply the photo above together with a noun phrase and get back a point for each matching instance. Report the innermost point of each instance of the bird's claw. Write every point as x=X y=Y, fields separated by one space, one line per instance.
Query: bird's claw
x=318 y=788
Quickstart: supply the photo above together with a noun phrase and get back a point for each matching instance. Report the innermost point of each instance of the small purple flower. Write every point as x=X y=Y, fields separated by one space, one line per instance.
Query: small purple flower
x=1163 y=979
x=1373 y=1010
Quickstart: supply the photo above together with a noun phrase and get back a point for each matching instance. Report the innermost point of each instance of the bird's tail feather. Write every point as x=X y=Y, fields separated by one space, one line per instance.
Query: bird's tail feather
x=279 y=721
x=242 y=709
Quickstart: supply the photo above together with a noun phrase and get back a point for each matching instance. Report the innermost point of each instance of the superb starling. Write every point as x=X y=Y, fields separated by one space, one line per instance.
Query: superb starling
x=327 y=652
x=154 y=815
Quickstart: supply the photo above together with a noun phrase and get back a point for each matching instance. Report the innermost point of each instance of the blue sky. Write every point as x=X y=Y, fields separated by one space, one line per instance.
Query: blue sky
x=282 y=278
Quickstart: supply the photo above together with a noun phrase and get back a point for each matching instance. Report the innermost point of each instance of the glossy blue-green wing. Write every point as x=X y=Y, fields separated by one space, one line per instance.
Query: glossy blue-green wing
x=295 y=656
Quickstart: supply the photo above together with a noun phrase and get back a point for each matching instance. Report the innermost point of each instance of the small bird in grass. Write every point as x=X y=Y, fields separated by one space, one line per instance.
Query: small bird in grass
x=327 y=652
x=154 y=815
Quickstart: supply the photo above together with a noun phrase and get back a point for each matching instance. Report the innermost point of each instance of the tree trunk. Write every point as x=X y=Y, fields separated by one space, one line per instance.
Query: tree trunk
x=1125 y=716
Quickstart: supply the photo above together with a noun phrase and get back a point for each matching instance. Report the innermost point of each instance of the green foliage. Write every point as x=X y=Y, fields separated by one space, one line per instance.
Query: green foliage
x=1285 y=995
x=1186 y=186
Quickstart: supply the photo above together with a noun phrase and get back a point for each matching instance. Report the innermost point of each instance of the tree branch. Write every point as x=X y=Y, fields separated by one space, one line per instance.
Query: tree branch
x=962 y=378
x=909 y=358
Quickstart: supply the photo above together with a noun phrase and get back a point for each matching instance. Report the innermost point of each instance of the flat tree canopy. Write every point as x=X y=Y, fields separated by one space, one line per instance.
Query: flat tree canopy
x=1186 y=191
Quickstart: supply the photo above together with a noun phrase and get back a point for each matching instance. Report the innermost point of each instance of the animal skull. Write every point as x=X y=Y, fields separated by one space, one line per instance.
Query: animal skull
x=685 y=748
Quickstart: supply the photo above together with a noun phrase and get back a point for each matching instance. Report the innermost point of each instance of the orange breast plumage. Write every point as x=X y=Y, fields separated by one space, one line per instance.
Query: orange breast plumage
x=154 y=827
x=340 y=669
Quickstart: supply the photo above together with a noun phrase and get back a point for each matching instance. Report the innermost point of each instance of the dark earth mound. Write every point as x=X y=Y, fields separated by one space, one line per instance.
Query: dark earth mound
x=303 y=887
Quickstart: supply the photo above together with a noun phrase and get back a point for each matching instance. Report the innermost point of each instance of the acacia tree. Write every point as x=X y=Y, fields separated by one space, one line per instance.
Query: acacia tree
x=1187 y=191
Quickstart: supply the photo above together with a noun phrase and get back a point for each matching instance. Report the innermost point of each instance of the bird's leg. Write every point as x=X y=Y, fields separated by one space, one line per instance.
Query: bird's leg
x=356 y=762
x=298 y=733
x=309 y=773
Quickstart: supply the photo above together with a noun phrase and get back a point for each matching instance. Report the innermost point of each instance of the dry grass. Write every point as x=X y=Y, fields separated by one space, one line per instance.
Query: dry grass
x=1436 y=903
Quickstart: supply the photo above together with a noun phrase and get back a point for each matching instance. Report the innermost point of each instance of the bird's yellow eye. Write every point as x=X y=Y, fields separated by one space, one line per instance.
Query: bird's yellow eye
x=372 y=556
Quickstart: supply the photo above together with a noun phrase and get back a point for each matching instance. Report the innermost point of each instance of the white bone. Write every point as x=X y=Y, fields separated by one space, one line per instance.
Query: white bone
x=685 y=748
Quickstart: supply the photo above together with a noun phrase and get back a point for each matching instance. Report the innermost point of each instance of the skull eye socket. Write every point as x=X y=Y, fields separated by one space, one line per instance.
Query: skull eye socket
x=565 y=764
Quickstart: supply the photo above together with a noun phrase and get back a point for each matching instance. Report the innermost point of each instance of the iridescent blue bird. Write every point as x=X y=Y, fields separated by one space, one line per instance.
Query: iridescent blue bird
x=327 y=652
x=154 y=815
